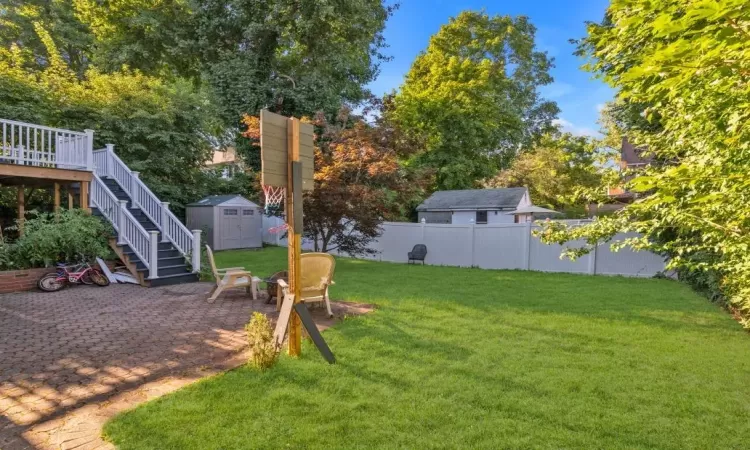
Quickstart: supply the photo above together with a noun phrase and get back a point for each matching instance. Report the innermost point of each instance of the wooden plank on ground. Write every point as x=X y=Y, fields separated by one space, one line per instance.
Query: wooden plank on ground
x=283 y=322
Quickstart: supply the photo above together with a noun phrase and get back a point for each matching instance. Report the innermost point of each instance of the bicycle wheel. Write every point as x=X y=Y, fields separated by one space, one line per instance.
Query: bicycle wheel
x=86 y=278
x=50 y=283
x=98 y=278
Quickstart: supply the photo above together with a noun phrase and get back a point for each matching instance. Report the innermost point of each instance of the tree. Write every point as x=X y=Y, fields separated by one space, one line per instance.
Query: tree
x=359 y=181
x=20 y=21
x=686 y=64
x=473 y=94
x=555 y=169
x=160 y=128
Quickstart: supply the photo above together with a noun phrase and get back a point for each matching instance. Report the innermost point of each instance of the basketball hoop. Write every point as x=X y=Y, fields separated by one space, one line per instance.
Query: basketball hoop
x=274 y=197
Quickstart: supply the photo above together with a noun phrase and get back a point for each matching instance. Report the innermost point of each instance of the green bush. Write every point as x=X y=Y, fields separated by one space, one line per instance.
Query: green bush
x=74 y=235
x=260 y=338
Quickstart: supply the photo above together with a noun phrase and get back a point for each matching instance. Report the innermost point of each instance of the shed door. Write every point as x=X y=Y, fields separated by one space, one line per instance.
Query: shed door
x=231 y=228
x=248 y=223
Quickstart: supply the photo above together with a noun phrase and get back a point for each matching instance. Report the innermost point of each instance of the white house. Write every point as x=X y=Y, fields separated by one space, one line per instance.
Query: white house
x=479 y=206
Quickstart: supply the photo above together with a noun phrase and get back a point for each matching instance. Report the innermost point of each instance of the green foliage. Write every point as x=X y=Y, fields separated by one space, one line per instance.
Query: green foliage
x=260 y=337
x=473 y=95
x=20 y=21
x=687 y=64
x=483 y=359
x=556 y=168
x=72 y=236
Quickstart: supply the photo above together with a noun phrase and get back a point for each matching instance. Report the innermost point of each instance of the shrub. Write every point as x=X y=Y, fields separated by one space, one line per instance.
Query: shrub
x=72 y=236
x=260 y=337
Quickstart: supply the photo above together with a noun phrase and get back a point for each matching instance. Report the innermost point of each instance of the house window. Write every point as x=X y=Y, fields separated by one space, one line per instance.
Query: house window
x=230 y=212
x=247 y=212
x=481 y=217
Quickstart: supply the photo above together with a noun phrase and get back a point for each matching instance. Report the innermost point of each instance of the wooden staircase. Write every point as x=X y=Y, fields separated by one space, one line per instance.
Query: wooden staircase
x=173 y=268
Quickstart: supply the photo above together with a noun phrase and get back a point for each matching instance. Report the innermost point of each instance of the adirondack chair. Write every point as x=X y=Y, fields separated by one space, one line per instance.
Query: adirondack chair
x=317 y=275
x=418 y=253
x=230 y=278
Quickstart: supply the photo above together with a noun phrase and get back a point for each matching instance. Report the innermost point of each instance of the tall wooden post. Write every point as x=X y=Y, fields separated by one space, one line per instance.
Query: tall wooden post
x=21 y=209
x=70 y=197
x=57 y=200
x=84 y=196
x=294 y=221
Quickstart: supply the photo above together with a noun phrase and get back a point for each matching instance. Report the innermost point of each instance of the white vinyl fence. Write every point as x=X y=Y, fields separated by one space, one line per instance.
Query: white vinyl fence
x=493 y=246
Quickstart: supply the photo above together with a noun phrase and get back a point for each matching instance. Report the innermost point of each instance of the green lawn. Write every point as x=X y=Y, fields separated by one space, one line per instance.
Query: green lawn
x=478 y=359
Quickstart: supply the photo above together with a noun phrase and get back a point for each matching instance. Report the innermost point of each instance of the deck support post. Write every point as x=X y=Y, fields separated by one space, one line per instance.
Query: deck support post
x=56 y=197
x=21 y=209
x=84 y=197
x=70 y=196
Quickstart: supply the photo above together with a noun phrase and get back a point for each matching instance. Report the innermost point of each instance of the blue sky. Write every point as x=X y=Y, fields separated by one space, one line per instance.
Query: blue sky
x=557 y=21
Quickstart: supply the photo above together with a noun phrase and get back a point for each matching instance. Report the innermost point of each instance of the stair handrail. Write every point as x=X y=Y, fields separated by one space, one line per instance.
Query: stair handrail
x=172 y=229
x=105 y=201
x=129 y=231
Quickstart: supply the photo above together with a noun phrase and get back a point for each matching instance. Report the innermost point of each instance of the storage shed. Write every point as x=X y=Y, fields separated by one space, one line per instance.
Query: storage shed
x=228 y=221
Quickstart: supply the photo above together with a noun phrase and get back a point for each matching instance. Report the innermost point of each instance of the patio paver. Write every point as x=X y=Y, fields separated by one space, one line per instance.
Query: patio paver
x=70 y=360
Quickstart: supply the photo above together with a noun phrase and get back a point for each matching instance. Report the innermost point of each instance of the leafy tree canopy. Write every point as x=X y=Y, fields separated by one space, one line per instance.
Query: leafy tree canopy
x=473 y=94
x=556 y=168
x=687 y=65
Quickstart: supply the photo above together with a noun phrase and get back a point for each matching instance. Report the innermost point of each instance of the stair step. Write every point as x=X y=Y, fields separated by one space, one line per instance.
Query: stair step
x=166 y=270
x=168 y=280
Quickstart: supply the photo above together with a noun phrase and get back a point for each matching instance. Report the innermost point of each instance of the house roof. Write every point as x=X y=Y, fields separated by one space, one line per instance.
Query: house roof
x=473 y=199
x=218 y=200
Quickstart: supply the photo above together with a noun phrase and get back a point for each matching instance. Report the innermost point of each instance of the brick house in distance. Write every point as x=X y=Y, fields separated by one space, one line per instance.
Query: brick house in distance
x=631 y=158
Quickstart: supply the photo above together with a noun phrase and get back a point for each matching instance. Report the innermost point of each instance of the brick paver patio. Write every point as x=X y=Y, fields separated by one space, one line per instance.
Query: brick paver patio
x=71 y=360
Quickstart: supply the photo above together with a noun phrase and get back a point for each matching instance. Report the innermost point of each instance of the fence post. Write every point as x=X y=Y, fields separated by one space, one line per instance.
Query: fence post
x=163 y=219
x=196 y=251
x=89 y=149
x=472 y=237
x=153 y=258
x=108 y=158
x=423 y=224
x=527 y=247
x=592 y=260
x=121 y=222
x=132 y=187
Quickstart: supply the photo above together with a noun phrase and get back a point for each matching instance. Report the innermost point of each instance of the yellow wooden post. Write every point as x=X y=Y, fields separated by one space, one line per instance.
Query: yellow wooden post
x=293 y=209
x=21 y=209
x=70 y=197
x=84 y=196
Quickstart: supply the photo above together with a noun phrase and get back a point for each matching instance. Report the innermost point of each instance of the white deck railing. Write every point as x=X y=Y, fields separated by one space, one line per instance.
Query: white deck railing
x=36 y=145
x=108 y=164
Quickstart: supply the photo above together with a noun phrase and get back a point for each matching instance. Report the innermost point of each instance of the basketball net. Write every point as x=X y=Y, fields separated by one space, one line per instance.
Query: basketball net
x=275 y=196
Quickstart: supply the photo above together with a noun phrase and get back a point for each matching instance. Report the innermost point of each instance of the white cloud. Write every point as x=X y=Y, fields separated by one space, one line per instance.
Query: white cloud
x=557 y=90
x=565 y=125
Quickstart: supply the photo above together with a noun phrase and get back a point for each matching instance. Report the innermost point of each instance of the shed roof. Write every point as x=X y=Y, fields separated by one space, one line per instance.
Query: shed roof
x=473 y=199
x=218 y=200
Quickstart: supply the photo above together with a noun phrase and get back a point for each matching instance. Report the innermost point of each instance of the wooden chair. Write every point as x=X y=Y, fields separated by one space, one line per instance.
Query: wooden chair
x=230 y=278
x=317 y=275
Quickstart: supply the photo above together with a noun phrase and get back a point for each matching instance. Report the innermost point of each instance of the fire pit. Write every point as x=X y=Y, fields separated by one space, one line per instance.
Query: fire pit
x=272 y=284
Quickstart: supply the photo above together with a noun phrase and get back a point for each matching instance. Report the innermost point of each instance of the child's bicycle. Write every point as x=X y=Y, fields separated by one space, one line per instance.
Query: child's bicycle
x=76 y=274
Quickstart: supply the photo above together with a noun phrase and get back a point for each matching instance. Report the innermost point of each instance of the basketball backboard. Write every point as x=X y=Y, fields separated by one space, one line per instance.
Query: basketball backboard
x=274 y=151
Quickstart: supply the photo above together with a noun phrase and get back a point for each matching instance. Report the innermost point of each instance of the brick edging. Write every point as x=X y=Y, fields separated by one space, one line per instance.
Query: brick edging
x=21 y=280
